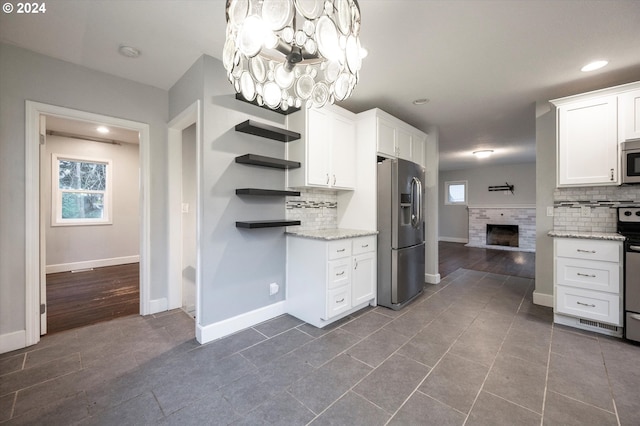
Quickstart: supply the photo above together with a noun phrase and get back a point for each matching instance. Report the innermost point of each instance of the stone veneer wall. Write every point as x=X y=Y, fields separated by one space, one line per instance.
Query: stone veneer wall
x=314 y=208
x=524 y=217
x=603 y=200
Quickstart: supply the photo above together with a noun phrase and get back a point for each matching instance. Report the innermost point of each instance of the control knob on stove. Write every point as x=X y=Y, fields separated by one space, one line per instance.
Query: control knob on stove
x=638 y=213
x=628 y=213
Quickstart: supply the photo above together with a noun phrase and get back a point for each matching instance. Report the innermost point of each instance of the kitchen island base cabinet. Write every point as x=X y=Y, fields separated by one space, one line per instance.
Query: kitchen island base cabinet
x=328 y=280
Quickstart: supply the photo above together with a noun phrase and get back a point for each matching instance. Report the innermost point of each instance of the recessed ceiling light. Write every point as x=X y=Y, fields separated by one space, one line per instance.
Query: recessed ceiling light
x=102 y=130
x=595 y=65
x=484 y=153
x=421 y=101
x=129 y=51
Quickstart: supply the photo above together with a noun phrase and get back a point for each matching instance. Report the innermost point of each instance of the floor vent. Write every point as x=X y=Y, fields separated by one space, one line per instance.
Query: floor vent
x=599 y=325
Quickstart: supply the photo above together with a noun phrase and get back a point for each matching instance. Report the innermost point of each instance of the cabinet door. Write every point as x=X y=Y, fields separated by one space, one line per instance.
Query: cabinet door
x=363 y=278
x=386 y=137
x=629 y=116
x=417 y=150
x=404 y=144
x=318 y=141
x=588 y=143
x=343 y=153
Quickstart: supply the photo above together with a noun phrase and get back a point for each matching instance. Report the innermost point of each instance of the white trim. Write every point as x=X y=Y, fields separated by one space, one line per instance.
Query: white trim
x=432 y=278
x=543 y=299
x=87 y=264
x=186 y=118
x=12 y=341
x=454 y=240
x=33 y=265
x=158 y=305
x=205 y=334
x=502 y=206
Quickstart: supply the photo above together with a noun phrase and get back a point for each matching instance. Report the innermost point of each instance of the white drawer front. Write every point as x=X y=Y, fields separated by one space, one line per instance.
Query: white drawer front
x=339 y=272
x=338 y=301
x=609 y=251
x=364 y=244
x=590 y=275
x=603 y=307
x=339 y=248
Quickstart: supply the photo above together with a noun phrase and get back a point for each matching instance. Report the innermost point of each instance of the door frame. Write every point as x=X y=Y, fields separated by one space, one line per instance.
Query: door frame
x=33 y=236
x=191 y=115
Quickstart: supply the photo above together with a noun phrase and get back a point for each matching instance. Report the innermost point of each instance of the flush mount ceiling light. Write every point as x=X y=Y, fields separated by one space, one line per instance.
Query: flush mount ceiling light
x=284 y=53
x=102 y=129
x=421 y=101
x=129 y=51
x=484 y=153
x=595 y=65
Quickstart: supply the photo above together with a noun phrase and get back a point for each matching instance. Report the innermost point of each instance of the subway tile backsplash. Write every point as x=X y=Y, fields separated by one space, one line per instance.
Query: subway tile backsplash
x=314 y=208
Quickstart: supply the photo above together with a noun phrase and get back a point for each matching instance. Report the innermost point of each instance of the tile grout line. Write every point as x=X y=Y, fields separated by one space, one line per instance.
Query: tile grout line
x=613 y=399
x=546 y=378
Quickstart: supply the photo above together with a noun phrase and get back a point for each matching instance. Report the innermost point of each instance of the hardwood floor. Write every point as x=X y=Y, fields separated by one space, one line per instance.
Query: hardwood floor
x=82 y=298
x=455 y=255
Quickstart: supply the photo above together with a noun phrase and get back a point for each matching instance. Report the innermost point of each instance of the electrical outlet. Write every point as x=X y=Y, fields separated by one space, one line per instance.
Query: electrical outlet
x=273 y=289
x=185 y=207
x=585 y=211
x=550 y=211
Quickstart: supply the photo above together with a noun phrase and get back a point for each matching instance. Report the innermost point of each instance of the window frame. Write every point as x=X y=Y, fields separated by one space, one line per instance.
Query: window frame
x=447 y=201
x=56 y=192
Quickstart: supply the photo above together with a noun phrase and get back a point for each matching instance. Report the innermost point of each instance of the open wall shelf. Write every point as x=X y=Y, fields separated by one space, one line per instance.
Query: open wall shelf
x=259 y=160
x=279 y=110
x=268 y=192
x=256 y=128
x=253 y=224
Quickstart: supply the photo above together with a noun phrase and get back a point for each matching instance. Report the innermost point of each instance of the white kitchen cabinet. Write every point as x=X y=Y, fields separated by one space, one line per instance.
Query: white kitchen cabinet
x=629 y=116
x=328 y=280
x=394 y=138
x=326 y=151
x=588 y=284
x=588 y=143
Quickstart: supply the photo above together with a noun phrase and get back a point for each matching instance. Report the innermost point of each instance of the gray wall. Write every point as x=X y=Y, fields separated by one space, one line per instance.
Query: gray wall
x=25 y=75
x=237 y=264
x=454 y=220
x=189 y=237
x=69 y=244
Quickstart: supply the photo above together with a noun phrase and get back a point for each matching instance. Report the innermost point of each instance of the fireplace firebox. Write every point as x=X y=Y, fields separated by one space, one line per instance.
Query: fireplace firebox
x=502 y=235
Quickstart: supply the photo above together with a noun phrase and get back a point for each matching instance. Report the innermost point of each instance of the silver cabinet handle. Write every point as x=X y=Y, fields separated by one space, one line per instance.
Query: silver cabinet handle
x=611 y=174
x=585 y=275
x=365 y=246
x=340 y=250
x=356 y=266
x=327 y=178
x=586 y=251
x=340 y=274
x=334 y=180
x=340 y=301
x=586 y=304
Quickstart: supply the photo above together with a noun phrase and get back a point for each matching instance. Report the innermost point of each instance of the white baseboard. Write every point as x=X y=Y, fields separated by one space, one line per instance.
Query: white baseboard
x=454 y=240
x=208 y=333
x=12 y=341
x=543 y=299
x=98 y=263
x=158 y=305
x=432 y=278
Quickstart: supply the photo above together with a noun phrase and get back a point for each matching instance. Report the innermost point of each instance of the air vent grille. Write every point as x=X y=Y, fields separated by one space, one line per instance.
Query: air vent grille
x=599 y=325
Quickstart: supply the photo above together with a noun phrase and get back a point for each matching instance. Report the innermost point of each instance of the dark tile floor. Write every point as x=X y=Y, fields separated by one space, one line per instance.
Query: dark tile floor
x=473 y=350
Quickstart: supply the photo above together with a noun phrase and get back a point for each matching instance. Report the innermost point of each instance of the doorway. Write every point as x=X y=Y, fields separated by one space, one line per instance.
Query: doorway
x=35 y=268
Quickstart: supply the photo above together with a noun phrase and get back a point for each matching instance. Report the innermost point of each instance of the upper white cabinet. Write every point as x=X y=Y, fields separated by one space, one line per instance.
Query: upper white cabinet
x=629 y=116
x=326 y=151
x=395 y=138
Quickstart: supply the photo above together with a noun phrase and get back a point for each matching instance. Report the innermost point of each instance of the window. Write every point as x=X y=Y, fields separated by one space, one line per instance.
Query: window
x=81 y=191
x=455 y=192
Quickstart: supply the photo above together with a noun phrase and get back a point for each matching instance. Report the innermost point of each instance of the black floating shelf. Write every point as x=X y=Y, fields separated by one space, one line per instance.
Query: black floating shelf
x=279 y=110
x=266 y=223
x=266 y=131
x=271 y=192
x=259 y=160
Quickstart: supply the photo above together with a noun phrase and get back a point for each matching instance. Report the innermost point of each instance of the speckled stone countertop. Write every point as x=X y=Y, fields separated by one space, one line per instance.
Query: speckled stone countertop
x=332 y=234
x=611 y=236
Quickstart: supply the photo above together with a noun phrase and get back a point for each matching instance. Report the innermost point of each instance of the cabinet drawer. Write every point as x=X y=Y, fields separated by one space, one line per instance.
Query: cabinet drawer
x=588 y=274
x=364 y=244
x=339 y=272
x=603 y=307
x=609 y=251
x=338 y=301
x=339 y=248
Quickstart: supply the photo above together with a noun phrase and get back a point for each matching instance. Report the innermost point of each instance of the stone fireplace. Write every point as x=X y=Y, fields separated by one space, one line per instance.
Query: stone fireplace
x=512 y=228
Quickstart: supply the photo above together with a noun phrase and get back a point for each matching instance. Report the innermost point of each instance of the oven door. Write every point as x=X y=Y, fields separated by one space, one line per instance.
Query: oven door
x=632 y=291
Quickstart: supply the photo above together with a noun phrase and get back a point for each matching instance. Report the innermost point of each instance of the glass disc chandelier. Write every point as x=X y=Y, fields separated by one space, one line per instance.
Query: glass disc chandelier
x=286 y=53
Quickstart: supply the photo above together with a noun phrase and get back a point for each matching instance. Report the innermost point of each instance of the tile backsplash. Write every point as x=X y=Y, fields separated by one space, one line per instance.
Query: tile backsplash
x=314 y=208
x=602 y=201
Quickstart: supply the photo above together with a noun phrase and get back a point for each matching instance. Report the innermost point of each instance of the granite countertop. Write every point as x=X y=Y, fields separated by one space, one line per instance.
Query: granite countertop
x=611 y=236
x=332 y=234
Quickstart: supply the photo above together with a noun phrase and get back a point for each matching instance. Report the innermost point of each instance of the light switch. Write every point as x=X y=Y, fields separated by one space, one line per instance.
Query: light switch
x=549 y=210
x=185 y=207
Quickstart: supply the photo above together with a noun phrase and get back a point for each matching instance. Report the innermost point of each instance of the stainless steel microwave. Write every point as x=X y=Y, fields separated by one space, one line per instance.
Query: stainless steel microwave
x=630 y=161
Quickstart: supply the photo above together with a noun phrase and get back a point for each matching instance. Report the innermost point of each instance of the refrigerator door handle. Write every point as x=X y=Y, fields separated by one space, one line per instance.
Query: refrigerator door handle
x=416 y=202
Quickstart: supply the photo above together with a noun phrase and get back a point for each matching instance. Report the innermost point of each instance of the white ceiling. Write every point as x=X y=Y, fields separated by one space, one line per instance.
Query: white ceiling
x=482 y=63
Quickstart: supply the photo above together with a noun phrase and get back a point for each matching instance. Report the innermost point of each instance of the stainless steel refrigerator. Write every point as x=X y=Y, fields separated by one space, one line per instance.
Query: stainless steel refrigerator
x=400 y=232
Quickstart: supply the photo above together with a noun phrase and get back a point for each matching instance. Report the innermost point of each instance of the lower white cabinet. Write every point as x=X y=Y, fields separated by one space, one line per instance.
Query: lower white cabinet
x=587 y=284
x=328 y=280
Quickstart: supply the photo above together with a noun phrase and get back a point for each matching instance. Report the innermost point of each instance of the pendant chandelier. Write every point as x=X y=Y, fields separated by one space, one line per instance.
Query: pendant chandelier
x=286 y=53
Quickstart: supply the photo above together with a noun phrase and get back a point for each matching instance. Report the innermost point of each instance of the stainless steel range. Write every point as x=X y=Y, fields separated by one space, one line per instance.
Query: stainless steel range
x=629 y=226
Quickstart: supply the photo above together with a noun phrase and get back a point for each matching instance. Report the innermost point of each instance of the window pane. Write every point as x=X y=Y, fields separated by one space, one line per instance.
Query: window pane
x=82 y=175
x=456 y=193
x=80 y=205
